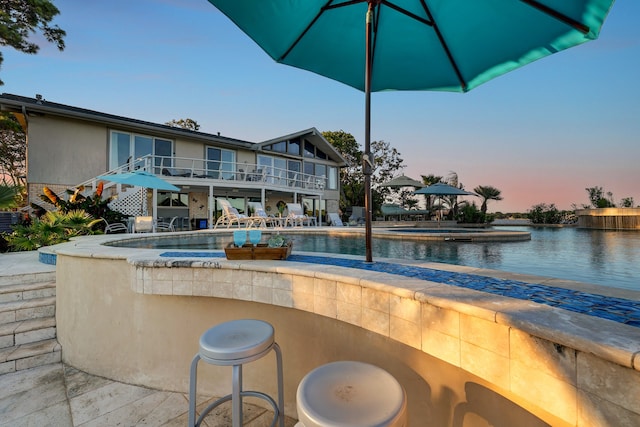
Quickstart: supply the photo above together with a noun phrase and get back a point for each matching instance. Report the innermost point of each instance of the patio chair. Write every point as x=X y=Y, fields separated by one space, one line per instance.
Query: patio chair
x=167 y=226
x=297 y=216
x=260 y=218
x=230 y=216
x=115 y=227
x=357 y=215
x=335 y=220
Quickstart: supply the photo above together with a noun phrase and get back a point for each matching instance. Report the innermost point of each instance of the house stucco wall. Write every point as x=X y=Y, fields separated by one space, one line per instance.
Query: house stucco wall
x=64 y=151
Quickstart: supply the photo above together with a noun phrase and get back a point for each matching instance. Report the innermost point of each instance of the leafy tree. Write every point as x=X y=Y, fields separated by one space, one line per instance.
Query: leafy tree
x=387 y=161
x=19 y=19
x=351 y=176
x=545 y=214
x=626 y=202
x=487 y=193
x=13 y=150
x=188 y=124
x=598 y=199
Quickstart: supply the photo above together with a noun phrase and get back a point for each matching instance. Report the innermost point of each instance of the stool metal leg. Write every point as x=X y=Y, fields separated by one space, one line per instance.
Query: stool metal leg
x=236 y=396
x=276 y=348
x=193 y=376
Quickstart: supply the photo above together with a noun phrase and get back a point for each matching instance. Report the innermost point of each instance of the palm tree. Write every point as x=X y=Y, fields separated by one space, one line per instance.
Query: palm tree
x=487 y=193
x=9 y=196
x=430 y=180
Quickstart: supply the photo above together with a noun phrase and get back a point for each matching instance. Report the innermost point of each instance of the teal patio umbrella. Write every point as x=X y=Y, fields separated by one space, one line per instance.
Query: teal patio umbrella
x=444 y=45
x=140 y=179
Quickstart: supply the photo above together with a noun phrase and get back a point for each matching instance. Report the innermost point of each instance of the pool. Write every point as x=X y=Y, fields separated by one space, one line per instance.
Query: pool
x=606 y=258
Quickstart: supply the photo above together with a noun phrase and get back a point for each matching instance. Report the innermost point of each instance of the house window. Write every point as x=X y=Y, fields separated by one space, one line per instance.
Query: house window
x=294 y=147
x=293 y=168
x=332 y=178
x=180 y=200
x=221 y=163
x=276 y=169
x=126 y=148
x=315 y=170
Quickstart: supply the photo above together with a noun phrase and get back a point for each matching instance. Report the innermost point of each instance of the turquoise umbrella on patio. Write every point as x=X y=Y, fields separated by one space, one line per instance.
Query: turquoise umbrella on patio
x=445 y=45
x=140 y=179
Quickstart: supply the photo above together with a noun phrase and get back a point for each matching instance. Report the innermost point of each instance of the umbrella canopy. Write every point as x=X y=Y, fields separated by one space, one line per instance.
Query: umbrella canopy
x=402 y=181
x=451 y=45
x=442 y=189
x=140 y=179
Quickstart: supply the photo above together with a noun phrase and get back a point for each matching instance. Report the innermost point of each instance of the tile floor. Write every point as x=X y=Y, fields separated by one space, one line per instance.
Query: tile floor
x=61 y=396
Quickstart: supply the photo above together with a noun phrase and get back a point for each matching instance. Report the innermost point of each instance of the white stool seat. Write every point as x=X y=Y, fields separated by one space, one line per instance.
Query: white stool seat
x=350 y=394
x=236 y=340
x=235 y=343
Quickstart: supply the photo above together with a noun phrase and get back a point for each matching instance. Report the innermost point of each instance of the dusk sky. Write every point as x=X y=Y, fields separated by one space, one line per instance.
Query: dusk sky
x=540 y=134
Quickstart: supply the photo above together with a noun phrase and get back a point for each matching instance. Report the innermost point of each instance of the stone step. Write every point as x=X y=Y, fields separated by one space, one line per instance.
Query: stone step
x=25 y=291
x=27 y=331
x=30 y=355
x=38 y=277
x=17 y=311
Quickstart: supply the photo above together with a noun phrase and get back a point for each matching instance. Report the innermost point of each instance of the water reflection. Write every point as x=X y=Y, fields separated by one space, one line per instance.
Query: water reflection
x=610 y=258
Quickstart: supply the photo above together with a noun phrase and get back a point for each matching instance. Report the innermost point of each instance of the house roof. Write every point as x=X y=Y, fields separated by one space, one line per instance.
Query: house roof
x=23 y=106
x=314 y=136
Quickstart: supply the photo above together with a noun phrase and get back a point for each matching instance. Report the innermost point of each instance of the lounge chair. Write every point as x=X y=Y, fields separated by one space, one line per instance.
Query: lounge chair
x=357 y=215
x=334 y=219
x=260 y=218
x=297 y=216
x=230 y=216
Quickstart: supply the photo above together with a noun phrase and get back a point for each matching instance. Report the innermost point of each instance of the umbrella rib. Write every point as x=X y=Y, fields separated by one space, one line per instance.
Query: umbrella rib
x=397 y=8
x=327 y=6
x=559 y=16
x=463 y=82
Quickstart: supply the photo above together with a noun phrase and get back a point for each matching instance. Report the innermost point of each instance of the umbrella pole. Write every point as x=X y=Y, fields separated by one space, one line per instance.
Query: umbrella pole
x=367 y=160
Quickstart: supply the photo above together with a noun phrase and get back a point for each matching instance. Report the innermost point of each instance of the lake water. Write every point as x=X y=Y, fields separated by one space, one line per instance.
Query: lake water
x=608 y=258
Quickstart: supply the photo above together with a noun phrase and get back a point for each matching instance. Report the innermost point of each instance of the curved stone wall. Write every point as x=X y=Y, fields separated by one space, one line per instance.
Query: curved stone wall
x=464 y=357
x=609 y=218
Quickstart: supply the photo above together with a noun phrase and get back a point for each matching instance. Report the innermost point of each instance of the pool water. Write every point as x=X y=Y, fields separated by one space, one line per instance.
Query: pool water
x=608 y=258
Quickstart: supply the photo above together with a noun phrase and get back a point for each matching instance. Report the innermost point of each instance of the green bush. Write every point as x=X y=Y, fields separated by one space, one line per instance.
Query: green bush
x=470 y=214
x=52 y=228
x=94 y=205
x=545 y=214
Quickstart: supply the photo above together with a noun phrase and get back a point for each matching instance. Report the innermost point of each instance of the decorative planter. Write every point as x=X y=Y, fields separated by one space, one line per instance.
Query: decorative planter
x=261 y=251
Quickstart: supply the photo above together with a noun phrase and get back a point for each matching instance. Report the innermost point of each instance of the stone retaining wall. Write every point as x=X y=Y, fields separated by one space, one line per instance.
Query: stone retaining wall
x=460 y=354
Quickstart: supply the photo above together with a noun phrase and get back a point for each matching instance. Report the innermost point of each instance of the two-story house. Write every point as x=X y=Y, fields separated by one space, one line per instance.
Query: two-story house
x=68 y=146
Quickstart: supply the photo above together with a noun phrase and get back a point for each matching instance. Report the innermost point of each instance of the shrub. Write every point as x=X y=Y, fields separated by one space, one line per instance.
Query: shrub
x=52 y=228
x=470 y=214
x=545 y=214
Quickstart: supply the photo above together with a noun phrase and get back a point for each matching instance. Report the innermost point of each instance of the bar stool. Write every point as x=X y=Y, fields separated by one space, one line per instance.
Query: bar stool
x=235 y=343
x=350 y=394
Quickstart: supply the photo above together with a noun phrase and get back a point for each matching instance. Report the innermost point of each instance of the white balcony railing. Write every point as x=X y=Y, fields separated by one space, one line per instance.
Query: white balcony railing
x=190 y=171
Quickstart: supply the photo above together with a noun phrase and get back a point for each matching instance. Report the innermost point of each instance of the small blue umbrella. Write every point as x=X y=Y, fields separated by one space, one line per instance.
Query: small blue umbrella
x=140 y=179
x=442 y=189
x=446 y=45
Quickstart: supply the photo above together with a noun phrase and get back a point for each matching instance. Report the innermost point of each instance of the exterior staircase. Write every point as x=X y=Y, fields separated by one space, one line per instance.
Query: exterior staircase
x=28 y=322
